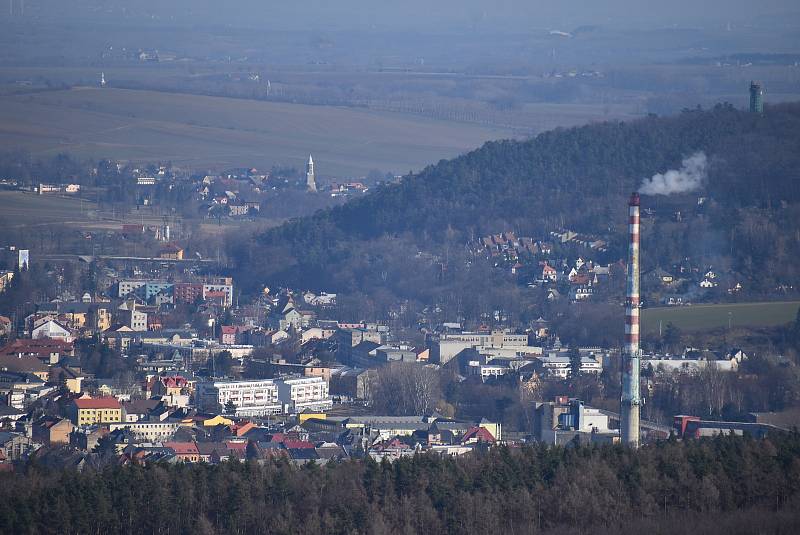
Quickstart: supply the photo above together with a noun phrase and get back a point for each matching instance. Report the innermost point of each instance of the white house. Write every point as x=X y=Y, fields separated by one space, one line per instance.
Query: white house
x=52 y=329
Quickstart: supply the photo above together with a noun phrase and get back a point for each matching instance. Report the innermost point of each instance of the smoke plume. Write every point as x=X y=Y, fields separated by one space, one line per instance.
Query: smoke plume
x=688 y=178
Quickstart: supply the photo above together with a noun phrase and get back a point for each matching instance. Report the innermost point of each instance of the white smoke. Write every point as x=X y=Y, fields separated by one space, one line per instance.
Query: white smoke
x=689 y=177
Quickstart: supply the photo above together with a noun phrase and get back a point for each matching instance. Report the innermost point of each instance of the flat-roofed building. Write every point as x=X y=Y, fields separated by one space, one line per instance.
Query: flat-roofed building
x=444 y=348
x=251 y=398
x=303 y=393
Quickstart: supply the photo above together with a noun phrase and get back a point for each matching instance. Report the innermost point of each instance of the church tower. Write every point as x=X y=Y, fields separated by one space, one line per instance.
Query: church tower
x=311 y=179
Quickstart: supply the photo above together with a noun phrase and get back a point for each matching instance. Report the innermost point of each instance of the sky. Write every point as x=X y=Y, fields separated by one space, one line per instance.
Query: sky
x=433 y=15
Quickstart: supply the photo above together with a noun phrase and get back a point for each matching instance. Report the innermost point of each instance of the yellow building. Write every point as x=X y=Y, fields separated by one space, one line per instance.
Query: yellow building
x=88 y=411
x=217 y=420
x=303 y=416
x=171 y=251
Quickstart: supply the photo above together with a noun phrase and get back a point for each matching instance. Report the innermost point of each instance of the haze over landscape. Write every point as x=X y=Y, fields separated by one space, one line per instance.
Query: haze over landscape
x=419 y=267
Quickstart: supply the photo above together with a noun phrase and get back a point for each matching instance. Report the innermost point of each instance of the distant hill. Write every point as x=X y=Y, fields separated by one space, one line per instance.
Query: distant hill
x=577 y=178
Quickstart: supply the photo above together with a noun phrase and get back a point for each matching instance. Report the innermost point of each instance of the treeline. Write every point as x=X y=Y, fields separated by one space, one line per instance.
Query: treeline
x=722 y=485
x=577 y=178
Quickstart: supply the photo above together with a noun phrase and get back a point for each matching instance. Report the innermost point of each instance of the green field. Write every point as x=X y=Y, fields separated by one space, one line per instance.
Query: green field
x=707 y=317
x=217 y=132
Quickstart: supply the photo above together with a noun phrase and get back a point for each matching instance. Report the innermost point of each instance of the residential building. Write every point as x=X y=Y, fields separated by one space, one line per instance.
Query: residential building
x=51 y=329
x=132 y=318
x=21 y=363
x=250 y=398
x=303 y=393
x=15 y=446
x=354 y=383
x=187 y=292
x=225 y=289
x=51 y=430
x=87 y=437
x=88 y=411
x=69 y=377
x=184 y=451
x=46 y=350
x=148 y=431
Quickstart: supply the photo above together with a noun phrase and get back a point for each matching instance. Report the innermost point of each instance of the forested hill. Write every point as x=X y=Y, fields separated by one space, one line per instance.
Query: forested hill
x=577 y=178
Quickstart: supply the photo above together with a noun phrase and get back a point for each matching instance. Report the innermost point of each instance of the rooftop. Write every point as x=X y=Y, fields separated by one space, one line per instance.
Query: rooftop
x=97 y=403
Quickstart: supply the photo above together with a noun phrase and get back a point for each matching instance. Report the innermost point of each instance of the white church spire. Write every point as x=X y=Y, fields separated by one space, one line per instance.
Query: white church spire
x=311 y=179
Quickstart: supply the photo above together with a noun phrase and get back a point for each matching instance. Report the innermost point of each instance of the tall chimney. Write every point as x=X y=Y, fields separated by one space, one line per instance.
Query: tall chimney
x=629 y=421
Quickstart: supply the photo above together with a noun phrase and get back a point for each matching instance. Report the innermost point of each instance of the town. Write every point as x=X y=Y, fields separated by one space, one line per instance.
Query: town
x=175 y=368
x=394 y=268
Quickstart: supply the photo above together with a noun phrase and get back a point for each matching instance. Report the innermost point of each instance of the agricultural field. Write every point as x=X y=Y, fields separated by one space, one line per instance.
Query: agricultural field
x=707 y=317
x=217 y=132
x=24 y=209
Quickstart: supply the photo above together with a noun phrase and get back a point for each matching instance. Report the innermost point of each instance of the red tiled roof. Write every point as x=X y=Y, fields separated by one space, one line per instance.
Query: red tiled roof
x=183 y=448
x=479 y=434
x=39 y=345
x=297 y=444
x=236 y=446
x=278 y=437
x=97 y=403
x=242 y=428
x=175 y=381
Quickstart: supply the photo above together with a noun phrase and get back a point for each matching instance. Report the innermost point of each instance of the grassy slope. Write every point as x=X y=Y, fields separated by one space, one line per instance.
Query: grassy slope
x=705 y=317
x=215 y=131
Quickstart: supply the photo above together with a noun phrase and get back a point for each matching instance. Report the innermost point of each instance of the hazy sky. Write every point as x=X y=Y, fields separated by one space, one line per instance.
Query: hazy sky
x=428 y=15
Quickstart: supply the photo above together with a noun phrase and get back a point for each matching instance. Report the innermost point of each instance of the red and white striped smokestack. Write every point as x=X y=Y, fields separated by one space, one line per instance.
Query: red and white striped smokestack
x=632 y=296
x=629 y=425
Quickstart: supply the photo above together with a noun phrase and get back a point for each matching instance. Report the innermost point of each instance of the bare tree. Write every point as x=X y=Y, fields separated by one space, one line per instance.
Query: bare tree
x=405 y=389
x=714 y=385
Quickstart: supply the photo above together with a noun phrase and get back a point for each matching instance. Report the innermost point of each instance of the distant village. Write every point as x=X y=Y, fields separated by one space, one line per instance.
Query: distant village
x=544 y=262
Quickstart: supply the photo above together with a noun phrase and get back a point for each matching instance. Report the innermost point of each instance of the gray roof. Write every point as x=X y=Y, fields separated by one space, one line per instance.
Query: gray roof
x=78 y=307
x=6 y=436
x=5 y=411
x=366 y=346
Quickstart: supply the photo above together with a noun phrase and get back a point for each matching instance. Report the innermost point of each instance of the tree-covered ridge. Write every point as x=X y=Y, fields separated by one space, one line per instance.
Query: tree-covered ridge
x=577 y=177
x=725 y=484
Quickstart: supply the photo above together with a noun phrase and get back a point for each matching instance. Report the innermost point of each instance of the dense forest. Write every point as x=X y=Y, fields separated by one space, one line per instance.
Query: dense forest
x=722 y=485
x=576 y=178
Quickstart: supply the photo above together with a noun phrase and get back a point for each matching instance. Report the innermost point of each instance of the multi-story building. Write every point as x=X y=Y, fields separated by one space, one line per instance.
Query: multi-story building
x=143 y=289
x=447 y=346
x=187 y=292
x=264 y=397
x=130 y=317
x=15 y=446
x=148 y=431
x=250 y=398
x=226 y=289
x=50 y=430
x=300 y=393
x=128 y=287
x=560 y=365
x=88 y=411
